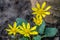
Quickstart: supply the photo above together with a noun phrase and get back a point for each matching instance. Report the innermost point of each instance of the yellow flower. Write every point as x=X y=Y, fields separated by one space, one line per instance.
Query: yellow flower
x=27 y=31
x=41 y=11
x=37 y=20
x=12 y=30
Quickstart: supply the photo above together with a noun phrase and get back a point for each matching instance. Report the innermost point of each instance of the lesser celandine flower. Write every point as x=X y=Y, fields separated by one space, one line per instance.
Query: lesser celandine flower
x=37 y=20
x=27 y=31
x=41 y=11
x=12 y=29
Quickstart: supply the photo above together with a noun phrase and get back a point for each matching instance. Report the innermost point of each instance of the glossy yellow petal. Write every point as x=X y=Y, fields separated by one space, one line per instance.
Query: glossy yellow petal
x=33 y=28
x=34 y=19
x=41 y=20
x=34 y=9
x=23 y=24
x=18 y=27
x=21 y=28
x=47 y=8
x=43 y=5
x=10 y=33
x=28 y=26
x=38 y=5
x=21 y=32
x=34 y=33
x=26 y=35
x=8 y=30
x=47 y=13
x=34 y=13
x=14 y=34
x=38 y=22
x=38 y=16
x=18 y=30
x=10 y=26
x=44 y=15
x=14 y=25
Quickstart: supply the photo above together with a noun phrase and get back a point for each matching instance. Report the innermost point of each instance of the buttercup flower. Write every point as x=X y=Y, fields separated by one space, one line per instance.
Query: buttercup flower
x=37 y=20
x=27 y=31
x=41 y=11
x=13 y=29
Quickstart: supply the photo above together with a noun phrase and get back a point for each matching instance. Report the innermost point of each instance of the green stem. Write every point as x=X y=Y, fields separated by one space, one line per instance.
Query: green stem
x=43 y=36
x=29 y=38
x=15 y=38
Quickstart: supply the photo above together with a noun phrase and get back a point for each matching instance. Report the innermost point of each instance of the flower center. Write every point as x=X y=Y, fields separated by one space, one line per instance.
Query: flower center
x=38 y=22
x=27 y=31
x=13 y=30
x=41 y=11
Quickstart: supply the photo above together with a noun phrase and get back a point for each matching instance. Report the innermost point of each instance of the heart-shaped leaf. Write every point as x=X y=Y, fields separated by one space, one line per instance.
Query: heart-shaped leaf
x=38 y=37
x=20 y=20
x=23 y=38
x=50 y=32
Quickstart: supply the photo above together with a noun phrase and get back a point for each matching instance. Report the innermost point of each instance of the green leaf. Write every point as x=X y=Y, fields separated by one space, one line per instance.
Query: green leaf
x=50 y=32
x=41 y=28
x=20 y=20
x=24 y=38
x=38 y=37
